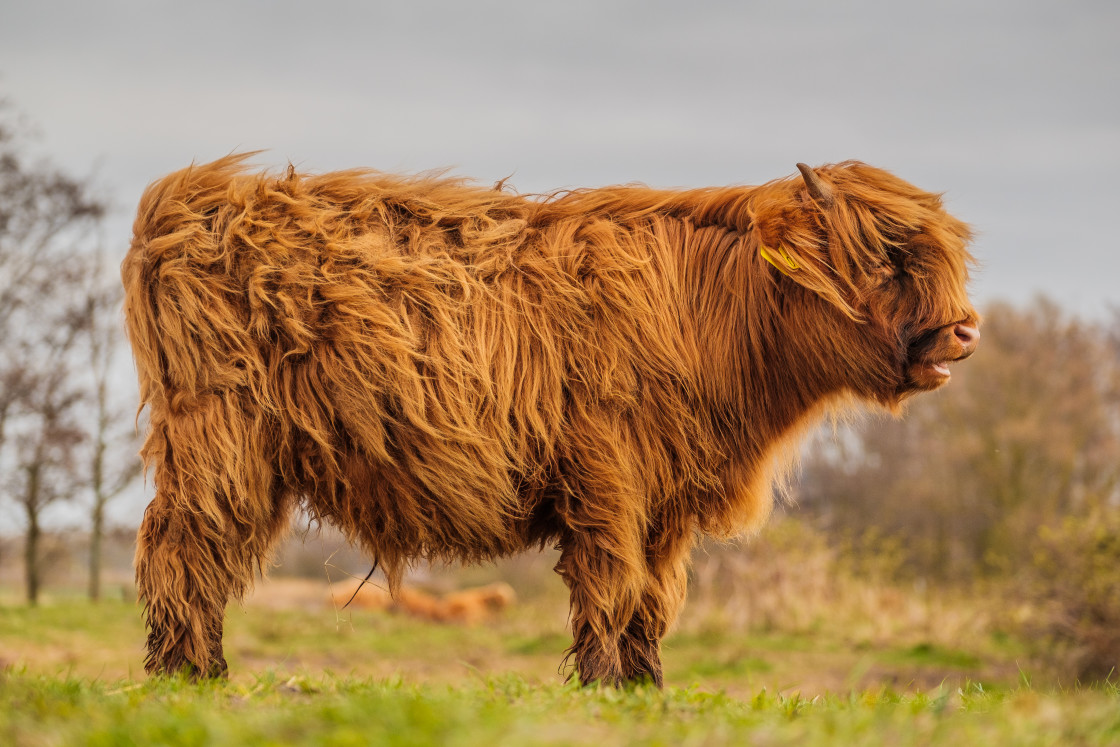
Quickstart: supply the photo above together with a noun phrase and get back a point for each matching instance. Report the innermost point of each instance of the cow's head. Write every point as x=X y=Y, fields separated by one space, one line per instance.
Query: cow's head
x=888 y=267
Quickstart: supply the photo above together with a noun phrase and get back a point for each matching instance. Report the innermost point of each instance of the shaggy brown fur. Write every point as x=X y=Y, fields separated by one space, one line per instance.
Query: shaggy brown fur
x=454 y=373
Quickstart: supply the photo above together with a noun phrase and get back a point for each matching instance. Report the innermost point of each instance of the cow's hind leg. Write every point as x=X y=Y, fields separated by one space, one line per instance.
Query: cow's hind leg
x=213 y=518
x=184 y=576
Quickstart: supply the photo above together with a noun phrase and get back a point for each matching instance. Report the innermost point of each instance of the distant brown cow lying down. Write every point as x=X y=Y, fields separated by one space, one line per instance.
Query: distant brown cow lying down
x=455 y=373
x=466 y=606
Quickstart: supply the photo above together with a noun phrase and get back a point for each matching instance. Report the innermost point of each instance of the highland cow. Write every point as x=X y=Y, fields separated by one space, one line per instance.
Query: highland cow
x=448 y=372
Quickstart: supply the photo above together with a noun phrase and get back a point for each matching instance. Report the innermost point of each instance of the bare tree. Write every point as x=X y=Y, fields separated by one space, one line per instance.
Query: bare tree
x=113 y=463
x=46 y=455
x=46 y=220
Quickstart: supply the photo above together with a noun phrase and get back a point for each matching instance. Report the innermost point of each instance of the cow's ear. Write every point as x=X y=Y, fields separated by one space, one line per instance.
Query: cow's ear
x=821 y=193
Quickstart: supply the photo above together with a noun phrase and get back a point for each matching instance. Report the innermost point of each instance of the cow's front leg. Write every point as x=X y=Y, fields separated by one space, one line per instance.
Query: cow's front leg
x=667 y=558
x=605 y=585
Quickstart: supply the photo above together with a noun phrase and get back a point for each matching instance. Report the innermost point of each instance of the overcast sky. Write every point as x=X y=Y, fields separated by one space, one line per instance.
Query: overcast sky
x=1011 y=107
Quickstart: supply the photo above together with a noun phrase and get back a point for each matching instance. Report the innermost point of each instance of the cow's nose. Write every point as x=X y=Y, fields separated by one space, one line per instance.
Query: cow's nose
x=967 y=336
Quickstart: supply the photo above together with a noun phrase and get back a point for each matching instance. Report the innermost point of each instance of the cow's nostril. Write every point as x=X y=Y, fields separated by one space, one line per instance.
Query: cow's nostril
x=968 y=336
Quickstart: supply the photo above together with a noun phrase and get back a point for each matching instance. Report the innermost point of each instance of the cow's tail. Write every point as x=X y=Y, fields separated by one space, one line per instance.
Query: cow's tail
x=173 y=231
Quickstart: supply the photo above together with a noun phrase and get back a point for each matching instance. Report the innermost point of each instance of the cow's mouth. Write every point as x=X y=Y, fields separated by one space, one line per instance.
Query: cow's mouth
x=930 y=374
x=939 y=369
x=930 y=368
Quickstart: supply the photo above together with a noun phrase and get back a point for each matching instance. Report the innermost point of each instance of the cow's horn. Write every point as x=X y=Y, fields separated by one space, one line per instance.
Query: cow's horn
x=818 y=190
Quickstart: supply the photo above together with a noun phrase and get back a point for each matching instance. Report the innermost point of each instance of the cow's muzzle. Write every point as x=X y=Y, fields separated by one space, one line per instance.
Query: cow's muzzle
x=929 y=364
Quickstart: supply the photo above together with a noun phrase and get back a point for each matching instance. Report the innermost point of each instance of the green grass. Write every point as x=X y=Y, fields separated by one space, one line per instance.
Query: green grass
x=927 y=653
x=71 y=673
x=40 y=710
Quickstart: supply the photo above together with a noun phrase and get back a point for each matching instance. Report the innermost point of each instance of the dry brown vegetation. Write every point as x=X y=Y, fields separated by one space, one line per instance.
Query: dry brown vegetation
x=792 y=578
x=1071 y=595
x=1003 y=485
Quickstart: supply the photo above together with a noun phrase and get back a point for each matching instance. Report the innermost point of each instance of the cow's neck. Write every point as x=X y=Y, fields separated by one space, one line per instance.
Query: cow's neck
x=758 y=376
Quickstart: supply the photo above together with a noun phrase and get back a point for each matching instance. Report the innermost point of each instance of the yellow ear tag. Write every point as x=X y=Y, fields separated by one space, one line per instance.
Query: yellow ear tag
x=790 y=261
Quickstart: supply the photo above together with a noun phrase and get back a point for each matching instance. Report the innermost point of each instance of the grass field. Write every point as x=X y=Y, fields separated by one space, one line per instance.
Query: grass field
x=509 y=710
x=304 y=672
